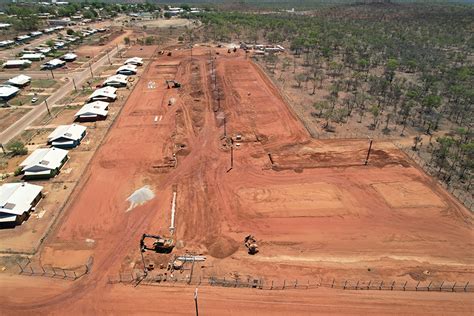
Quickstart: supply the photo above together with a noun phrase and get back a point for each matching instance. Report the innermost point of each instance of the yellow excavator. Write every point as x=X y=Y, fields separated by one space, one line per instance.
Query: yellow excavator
x=161 y=244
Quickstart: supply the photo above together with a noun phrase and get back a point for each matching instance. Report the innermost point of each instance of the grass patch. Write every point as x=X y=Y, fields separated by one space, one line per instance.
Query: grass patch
x=43 y=83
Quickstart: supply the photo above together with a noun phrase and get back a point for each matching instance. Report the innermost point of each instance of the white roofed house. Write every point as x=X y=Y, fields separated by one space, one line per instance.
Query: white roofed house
x=33 y=56
x=44 y=163
x=19 y=81
x=67 y=136
x=117 y=81
x=53 y=64
x=17 y=63
x=7 y=92
x=94 y=111
x=16 y=202
x=127 y=70
x=69 y=57
x=107 y=94
x=137 y=61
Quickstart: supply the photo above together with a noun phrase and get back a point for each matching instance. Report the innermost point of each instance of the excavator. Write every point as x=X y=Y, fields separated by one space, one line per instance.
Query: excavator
x=161 y=244
x=173 y=84
x=251 y=244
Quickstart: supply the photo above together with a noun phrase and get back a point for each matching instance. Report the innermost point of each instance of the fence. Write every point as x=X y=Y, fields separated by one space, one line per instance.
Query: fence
x=137 y=278
x=36 y=269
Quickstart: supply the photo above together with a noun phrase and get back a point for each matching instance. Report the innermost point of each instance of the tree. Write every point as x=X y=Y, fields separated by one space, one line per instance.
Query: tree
x=127 y=40
x=300 y=78
x=70 y=32
x=17 y=148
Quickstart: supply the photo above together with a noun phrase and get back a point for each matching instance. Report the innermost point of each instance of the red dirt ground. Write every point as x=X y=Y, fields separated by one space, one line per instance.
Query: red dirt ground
x=317 y=211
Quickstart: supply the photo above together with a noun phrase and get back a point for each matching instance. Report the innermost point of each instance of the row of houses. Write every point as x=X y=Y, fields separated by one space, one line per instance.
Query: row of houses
x=27 y=59
x=17 y=200
x=25 y=38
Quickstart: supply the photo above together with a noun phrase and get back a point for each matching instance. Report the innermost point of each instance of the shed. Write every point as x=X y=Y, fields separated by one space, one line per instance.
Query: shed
x=107 y=94
x=116 y=81
x=33 y=56
x=137 y=61
x=127 y=70
x=17 y=63
x=69 y=57
x=7 y=92
x=53 y=64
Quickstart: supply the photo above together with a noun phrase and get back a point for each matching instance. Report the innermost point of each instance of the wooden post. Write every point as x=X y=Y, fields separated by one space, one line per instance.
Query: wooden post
x=284 y=284
x=32 y=272
x=405 y=285
x=296 y=283
x=47 y=107
x=44 y=272
x=429 y=286
x=357 y=285
x=393 y=284
x=465 y=287
x=332 y=285
x=454 y=286
x=441 y=286
x=416 y=288
x=345 y=283
x=381 y=284
x=368 y=286
x=368 y=153
x=271 y=288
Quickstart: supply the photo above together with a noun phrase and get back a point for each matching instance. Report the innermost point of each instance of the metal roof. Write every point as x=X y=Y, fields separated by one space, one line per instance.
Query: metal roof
x=17 y=198
x=93 y=109
x=16 y=62
x=72 y=132
x=107 y=92
x=19 y=80
x=55 y=62
x=44 y=159
x=116 y=78
x=134 y=61
x=7 y=90
x=127 y=67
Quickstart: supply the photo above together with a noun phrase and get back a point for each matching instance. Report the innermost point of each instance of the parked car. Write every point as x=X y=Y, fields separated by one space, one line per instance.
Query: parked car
x=34 y=100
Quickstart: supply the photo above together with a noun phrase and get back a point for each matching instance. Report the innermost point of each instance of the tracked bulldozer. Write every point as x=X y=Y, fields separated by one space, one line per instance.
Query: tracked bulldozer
x=160 y=245
x=251 y=244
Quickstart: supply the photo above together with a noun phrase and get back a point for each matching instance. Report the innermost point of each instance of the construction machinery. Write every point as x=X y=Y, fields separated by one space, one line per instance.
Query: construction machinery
x=173 y=84
x=161 y=244
x=251 y=244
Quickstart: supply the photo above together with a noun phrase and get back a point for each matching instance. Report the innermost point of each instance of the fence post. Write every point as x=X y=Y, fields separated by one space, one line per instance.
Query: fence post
x=75 y=276
x=357 y=285
x=381 y=284
x=64 y=271
x=271 y=288
x=416 y=288
x=441 y=286
x=32 y=272
x=345 y=283
x=465 y=287
x=296 y=283
x=308 y=285
x=393 y=284
x=454 y=286
x=332 y=285
x=368 y=285
x=284 y=283
x=21 y=268
x=405 y=285
x=429 y=285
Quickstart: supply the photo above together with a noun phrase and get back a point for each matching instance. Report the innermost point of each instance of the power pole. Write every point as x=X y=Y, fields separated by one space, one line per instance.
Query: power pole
x=90 y=68
x=196 y=301
x=225 y=128
x=108 y=57
x=368 y=152
x=52 y=74
x=74 y=83
x=47 y=107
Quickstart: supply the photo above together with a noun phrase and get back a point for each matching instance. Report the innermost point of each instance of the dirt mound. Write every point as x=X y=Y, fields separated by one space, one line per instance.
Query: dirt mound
x=222 y=247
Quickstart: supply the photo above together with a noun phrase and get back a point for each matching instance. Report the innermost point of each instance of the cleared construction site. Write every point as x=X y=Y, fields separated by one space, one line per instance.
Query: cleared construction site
x=208 y=178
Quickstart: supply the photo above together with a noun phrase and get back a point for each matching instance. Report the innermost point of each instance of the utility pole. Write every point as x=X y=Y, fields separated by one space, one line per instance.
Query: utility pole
x=52 y=74
x=74 y=83
x=90 y=68
x=368 y=152
x=47 y=107
x=108 y=56
x=225 y=128
x=196 y=301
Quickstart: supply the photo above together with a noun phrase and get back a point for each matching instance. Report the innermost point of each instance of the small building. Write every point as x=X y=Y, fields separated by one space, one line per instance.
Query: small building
x=33 y=56
x=94 y=111
x=17 y=63
x=44 y=163
x=43 y=50
x=22 y=38
x=69 y=57
x=6 y=43
x=117 y=81
x=36 y=34
x=59 y=45
x=67 y=136
x=127 y=70
x=17 y=200
x=107 y=94
x=5 y=25
x=19 y=81
x=53 y=64
x=7 y=92
x=137 y=61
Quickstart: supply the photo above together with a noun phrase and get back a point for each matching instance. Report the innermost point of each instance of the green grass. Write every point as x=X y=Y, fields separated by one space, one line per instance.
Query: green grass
x=26 y=100
x=43 y=83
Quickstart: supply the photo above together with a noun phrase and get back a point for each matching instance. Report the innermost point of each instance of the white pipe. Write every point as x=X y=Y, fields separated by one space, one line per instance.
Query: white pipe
x=173 y=210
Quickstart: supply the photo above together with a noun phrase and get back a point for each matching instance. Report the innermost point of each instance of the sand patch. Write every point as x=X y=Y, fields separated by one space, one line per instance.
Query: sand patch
x=408 y=194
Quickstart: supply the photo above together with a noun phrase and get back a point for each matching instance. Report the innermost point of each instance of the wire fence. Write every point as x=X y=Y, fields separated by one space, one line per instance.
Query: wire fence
x=139 y=278
x=36 y=269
